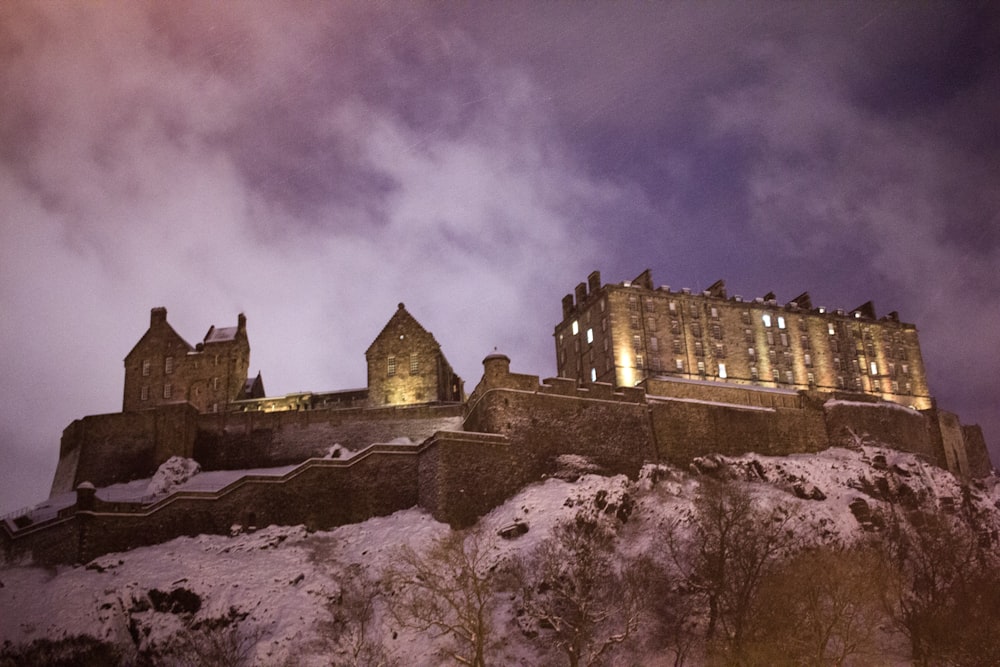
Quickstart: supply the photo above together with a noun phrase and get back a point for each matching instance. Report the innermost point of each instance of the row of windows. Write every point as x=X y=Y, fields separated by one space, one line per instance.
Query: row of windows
x=168 y=365
x=168 y=389
x=391 y=364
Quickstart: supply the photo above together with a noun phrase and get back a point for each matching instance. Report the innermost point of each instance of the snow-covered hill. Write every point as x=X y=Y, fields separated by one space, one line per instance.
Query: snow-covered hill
x=277 y=593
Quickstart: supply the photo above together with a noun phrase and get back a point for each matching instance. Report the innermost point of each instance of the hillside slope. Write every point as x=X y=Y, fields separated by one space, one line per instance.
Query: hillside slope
x=282 y=595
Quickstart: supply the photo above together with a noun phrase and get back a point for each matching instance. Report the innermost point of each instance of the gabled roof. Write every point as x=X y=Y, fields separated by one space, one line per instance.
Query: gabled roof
x=159 y=318
x=402 y=319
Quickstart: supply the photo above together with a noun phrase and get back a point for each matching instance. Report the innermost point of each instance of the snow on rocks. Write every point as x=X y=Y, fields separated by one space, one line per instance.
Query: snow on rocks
x=281 y=582
x=172 y=473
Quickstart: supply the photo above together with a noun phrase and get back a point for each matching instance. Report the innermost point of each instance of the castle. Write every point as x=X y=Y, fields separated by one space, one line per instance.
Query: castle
x=645 y=375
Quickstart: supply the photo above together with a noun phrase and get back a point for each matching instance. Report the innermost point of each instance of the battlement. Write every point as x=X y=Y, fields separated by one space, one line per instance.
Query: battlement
x=645 y=375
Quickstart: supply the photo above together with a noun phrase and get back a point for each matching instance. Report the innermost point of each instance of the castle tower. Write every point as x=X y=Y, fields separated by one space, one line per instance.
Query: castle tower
x=406 y=366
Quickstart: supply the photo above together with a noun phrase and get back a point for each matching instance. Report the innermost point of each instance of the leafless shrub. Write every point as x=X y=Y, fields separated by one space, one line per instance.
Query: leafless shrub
x=448 y=592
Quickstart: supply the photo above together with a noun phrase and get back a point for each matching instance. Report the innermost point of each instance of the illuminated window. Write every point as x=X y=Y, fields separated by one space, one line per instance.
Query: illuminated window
x=754 y=373
x=789 y=377
x=145 y=367
x=781 y=322
x=414 y=363
x=391 y=365
x=906 y=369
x=168 y=365
x=829 y=328
x=673 y=306
x=722 y=371
x=701 y=367
x=576 y=327
x=168 y=390
x=751 y=351
x=808 y=359
x=144 y=394
x=593 y=375
x=680 y=364
x=590 y=335
x=874 y=368
x=715 y=312
x=767 y=319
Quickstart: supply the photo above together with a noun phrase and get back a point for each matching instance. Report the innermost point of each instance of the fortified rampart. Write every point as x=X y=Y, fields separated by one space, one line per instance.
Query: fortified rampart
x=459 y=457
x=514 y=431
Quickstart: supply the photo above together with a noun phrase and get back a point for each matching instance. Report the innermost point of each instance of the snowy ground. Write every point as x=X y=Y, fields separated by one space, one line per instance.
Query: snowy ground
x=284 y=581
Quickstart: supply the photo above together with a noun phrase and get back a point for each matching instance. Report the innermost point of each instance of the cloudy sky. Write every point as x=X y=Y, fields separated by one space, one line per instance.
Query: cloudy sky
x=313 y=164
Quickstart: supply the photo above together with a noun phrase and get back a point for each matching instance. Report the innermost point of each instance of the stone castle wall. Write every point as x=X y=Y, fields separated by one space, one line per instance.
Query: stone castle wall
x=516 y=428
x=119 y=447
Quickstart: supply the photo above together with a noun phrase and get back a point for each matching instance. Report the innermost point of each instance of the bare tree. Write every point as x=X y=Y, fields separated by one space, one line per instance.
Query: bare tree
x=724 y=549
x=822 y=606
x=448 y=591
x=578 y=595
x=354 y=623
x=947 y=596
x=226 y=641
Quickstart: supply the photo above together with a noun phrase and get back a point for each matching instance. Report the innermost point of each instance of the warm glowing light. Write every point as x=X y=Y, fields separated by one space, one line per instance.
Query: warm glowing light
x=627 y=370
x=576 y=327
x=590 y=335
x=874 y=368
x=767 y=320
x=722 y=371
x=781 y=322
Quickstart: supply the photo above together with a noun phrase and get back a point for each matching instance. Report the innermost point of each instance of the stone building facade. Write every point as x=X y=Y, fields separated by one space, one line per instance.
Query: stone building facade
x=406 y=365
x=627 y=332
x=164 y=369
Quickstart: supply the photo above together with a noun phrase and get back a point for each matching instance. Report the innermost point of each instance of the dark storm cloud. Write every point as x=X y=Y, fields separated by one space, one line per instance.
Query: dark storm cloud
x=313 y=164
